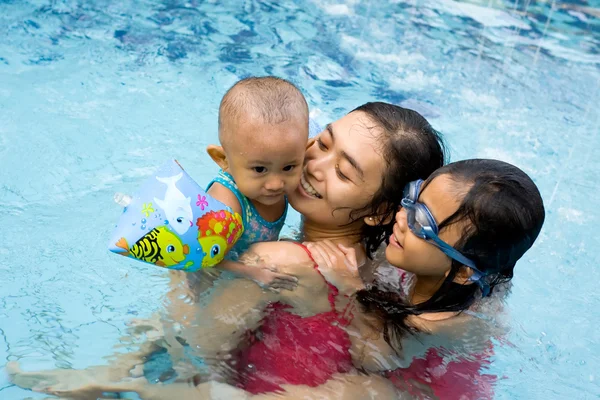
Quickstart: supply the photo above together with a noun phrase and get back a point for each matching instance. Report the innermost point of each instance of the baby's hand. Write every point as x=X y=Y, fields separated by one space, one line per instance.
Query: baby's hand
x=337 y=263
x=268 y=277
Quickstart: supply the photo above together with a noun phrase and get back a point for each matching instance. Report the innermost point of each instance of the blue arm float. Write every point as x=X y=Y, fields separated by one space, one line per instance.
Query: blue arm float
x=173 y=223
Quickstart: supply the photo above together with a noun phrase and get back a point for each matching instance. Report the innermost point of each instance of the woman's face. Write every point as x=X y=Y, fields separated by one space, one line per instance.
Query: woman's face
x=413 y=254
x=343 y=169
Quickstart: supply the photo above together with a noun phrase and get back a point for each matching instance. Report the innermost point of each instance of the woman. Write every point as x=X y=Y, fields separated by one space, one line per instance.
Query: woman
x=350 y=189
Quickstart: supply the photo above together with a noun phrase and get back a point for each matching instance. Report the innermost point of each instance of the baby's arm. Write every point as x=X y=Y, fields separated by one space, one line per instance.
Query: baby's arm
x=266 y=276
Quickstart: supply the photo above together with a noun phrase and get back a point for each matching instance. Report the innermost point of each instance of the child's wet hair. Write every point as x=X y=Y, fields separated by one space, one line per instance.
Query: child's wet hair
x=502 y=212
x=271 y=99
x=411 y=149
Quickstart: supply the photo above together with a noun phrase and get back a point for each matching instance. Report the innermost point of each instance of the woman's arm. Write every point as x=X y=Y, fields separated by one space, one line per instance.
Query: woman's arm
x=233 y=307
x=238 y=305
x=339 y=387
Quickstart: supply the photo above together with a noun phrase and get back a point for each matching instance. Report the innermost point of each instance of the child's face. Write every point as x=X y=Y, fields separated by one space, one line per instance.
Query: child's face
x=266 y=160
x=416 y=255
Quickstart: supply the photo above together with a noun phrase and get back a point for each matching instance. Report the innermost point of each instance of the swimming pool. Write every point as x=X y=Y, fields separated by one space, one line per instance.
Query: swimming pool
x=95 y=94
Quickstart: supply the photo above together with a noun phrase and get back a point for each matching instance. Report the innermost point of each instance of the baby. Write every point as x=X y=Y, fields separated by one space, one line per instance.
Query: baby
x=263 y=131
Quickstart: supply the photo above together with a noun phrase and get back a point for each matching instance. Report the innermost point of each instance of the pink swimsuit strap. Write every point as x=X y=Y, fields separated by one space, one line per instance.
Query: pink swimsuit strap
x=333 y=291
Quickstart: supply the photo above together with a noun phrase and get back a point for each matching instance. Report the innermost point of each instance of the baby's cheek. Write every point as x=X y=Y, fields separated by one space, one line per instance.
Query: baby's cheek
x=294 y=180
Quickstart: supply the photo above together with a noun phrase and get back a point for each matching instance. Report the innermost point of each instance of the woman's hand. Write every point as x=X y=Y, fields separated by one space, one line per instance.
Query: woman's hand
x=71 y=383
x=92 y=383
x=338 y=264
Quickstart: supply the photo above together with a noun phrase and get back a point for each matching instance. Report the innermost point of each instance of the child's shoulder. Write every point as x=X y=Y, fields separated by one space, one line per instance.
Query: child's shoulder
x=225 y=196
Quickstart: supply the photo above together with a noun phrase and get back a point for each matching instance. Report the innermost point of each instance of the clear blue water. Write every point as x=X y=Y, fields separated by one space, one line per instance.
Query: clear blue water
x=95 y=94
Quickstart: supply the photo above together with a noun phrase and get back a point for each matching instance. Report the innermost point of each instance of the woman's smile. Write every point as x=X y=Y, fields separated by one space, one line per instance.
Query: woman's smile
x=308 y=189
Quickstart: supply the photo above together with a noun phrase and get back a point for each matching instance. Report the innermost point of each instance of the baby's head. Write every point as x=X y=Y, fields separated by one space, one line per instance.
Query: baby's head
x=263 y=130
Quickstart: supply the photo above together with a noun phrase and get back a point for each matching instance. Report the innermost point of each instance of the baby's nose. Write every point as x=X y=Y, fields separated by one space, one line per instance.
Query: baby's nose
x=274 y=184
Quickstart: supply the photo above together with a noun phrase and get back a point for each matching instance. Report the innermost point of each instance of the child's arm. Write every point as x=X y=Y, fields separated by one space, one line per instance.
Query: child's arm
x=264 y=275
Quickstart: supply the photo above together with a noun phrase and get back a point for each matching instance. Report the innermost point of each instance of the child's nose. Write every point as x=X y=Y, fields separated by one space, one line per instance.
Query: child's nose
x=401 y=218
x=274 y=184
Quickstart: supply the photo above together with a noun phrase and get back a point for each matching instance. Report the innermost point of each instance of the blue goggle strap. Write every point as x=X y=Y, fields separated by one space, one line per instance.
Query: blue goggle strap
x=412 y=189
x=451 y=252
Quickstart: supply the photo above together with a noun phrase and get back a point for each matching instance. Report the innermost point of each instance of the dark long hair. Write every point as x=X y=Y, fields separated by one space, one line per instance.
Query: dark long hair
x=504 y=212
x=412 y=149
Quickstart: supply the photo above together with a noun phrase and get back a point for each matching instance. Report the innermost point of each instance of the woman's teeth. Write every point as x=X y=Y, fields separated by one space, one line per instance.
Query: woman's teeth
x=308 y=188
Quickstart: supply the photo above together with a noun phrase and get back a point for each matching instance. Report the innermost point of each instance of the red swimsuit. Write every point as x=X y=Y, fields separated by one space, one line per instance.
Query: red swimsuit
x=289 y=349
x=449 y=375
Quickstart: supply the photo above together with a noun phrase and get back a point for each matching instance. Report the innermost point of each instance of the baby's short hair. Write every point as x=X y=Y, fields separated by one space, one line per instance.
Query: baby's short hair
x=273 y=100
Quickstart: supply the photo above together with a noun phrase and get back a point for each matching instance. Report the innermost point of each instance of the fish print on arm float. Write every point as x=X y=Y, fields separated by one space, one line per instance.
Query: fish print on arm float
x=161 y=225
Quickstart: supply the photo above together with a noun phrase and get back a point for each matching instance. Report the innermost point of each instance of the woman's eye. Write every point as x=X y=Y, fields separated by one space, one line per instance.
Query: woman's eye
x=340 y=174
x=288 y=168
x=259 y=170
x=321 y=144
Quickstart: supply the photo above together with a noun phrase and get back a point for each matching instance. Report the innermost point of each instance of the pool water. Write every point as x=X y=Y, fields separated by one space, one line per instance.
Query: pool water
x=96 y=94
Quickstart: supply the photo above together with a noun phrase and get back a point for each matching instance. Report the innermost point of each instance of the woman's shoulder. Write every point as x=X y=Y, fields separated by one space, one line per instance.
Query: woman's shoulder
x=283 y=251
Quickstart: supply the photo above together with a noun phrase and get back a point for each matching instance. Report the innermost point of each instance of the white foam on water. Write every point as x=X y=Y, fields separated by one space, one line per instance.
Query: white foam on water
x=480 y=99
x=325 y=69
x=486 y=16
x=572 y=215
x=516 y=158
x=337 y=9
x=414 y=80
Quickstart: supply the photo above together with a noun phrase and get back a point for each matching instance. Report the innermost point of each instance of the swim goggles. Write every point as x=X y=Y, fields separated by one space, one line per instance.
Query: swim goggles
x=423 y=225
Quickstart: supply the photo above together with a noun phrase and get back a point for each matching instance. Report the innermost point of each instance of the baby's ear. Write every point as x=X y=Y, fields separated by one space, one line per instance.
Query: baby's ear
x=218 y=155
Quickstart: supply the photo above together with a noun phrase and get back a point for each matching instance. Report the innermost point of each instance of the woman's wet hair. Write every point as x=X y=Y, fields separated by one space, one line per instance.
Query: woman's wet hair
x=502 y=213
x=411 y=149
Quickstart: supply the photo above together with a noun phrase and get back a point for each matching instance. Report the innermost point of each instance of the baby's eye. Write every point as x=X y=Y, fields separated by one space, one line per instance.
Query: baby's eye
x=289 y=168
x=260 y=170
